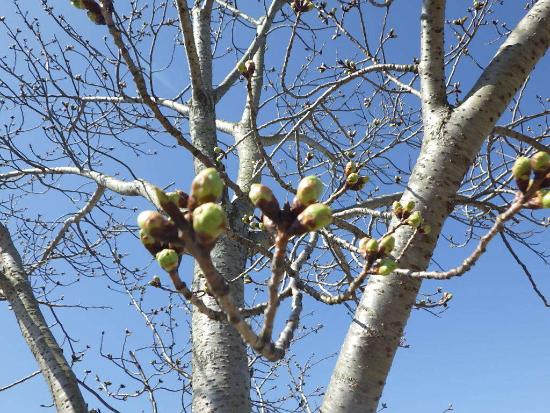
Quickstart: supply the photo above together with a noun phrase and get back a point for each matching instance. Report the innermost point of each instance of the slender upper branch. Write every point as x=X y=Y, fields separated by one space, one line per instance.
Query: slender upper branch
x=432 y=67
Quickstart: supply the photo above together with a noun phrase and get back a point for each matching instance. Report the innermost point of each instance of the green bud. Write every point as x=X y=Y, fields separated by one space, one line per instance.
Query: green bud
x=521 y=168
x=351 y=167
x=155 y=282
x=315 y=217
x=397 y=208
x=209 y=222
x=540 y=161
x=309 y=190
x=386 y=266
x=207 y=186
x=168 y=260
x=387 y=244
x=79 y=4
x=241 y=68
x=352 y=178
x=368 y=246
x=415 y=219
x=260 y=193
x=426 y=229
x=309 y=6
x=409 y=206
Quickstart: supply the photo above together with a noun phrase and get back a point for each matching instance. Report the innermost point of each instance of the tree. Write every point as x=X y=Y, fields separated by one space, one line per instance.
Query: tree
x=75 y=121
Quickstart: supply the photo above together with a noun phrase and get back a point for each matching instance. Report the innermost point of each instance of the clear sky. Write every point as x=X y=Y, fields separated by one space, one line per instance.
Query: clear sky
x=487 y=353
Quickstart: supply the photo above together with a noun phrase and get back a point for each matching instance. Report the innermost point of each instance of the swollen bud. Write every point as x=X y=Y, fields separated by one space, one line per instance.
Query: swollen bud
x=157 y=226
x=368 y=246
x=309 y=190
x=168 y=260
x=415 y=219
x=387 y=244
x=386 y=266
x=352 y=179
x=540 y=161
x=409 y=206
x=315 y=217
x=260 y=194
x=209 y=222
x=521 y=168
x=397 y=209
x=79 y=4
x=206 y=187
x=351 y=167
x=262 y=197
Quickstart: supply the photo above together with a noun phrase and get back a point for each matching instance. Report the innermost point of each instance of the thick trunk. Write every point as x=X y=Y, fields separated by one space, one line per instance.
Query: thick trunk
x=451 y=142
x=55 y=369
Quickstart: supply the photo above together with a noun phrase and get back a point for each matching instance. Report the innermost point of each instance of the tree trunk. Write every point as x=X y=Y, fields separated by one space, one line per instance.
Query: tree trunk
x=452 y=138
x=55 y=369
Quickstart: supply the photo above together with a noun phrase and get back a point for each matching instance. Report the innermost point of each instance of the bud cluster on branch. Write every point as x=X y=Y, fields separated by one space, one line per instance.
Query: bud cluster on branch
x=532 y=177
x=305 y=214
x=198 y=212
x=302 y=6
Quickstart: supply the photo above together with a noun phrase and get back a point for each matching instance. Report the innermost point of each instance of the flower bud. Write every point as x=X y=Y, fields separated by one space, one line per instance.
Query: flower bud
x=409 y=206
x=351 y=167
x=386 y=266
x=386 y=245
x=397 y=209
x=79 y=4
x=368 y=246
x=155 y=282
x=241 y=68
x=426 y=229
x=415 y=219
x=309 y=190
x=155 y=225
x=540 y=161
x=260 y=193
x=206 y=187
x=352 y=179
x=521 y=168
x=315 y=217
x=168 y=260
x=262 y=197
x=209 y=222
x=309 y=6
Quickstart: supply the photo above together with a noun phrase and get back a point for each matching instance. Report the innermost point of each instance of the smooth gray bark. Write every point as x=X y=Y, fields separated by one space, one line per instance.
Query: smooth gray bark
x=452 y=138
x=16 y=289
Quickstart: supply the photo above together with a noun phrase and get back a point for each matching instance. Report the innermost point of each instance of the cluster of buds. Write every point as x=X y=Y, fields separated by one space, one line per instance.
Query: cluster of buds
x=534 y=171
x=348 y=65
x=354 y=181
x=247 y=68
x=93 y=10
x=378 y=252
x=409 y=216
x=302 y=6
x=305 y=214
x=162 y=236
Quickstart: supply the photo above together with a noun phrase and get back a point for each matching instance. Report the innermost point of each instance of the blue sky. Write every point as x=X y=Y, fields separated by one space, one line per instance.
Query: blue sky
x=487 y=353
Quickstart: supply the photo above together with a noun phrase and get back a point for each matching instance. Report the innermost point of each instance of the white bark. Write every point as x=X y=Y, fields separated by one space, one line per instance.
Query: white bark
x=452 y=139
x=15 y=286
